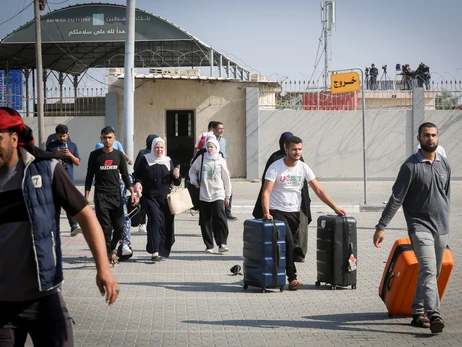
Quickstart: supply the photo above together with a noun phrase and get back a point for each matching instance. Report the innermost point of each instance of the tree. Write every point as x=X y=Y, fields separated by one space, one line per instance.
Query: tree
x=445 y=100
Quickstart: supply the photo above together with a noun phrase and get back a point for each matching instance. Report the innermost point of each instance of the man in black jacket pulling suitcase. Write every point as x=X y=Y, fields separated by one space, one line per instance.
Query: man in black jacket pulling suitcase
x=422 y=188
x=281 y=197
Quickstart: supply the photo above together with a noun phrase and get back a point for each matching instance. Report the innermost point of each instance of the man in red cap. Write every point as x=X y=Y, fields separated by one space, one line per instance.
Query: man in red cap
x=33 y=187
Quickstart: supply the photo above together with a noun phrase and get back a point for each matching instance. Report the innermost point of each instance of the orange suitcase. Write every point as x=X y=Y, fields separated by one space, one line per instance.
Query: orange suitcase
x=400 y=276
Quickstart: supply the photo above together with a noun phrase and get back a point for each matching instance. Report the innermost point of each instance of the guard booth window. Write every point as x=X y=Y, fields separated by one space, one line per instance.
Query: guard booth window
x=180 y=138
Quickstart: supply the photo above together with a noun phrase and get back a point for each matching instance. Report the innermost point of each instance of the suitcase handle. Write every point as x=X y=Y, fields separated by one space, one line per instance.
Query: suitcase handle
x=278 y=260
x=351 y=249
x=276 y=252
x=389 y=280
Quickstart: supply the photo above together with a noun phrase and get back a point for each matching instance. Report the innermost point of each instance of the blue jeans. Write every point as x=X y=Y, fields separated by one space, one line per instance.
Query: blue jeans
x=429 y=250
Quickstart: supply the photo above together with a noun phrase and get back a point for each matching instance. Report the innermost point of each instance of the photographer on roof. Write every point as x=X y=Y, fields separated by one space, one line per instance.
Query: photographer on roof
x=422 y=74
x=408 y=75
x=373 y=72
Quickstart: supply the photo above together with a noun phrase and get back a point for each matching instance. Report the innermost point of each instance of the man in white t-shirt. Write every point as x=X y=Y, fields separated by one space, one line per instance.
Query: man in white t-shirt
x=281 y=197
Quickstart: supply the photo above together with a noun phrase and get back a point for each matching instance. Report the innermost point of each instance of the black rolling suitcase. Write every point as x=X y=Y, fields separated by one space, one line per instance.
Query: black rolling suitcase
x=264 y=254
x=336 y=251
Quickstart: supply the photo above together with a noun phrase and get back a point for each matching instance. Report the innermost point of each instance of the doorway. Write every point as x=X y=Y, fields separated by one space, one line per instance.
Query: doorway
x=180 y=138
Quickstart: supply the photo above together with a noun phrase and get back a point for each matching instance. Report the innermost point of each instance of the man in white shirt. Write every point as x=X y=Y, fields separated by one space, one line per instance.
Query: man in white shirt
x=281 y=197
x=202 y=138
x=218 y=131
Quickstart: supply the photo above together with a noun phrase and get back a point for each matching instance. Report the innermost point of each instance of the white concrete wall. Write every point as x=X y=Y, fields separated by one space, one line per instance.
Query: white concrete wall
x=333 y=140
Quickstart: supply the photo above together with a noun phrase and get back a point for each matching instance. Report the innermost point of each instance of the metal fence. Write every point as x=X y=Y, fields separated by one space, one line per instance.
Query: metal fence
x=60 y=102
x=442 y=92
x=70 y=102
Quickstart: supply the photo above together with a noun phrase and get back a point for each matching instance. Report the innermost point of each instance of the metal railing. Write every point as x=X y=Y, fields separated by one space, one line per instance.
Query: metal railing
x=442 y=91
x=62 y=102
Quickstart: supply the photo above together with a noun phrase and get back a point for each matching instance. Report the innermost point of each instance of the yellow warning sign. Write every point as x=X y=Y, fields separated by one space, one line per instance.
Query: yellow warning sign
x=344 y=82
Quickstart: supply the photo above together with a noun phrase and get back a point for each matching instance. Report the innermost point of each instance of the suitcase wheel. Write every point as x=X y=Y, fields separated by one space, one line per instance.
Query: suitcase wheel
x=317 y=284
x=246 y=286
x=281 y=289
x=263 y=290
x=353 y=286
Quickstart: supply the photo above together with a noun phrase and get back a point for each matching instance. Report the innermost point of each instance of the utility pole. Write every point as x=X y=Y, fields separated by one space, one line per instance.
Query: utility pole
x=328 y=24
x=129 y=81
x=39 y=5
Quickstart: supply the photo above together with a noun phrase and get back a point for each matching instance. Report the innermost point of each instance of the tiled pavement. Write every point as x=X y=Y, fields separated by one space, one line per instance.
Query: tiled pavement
x=191 y=299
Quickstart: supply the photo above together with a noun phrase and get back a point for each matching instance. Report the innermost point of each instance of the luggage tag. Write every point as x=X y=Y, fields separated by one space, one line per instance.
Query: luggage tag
x=352 y=263
x=352 y=260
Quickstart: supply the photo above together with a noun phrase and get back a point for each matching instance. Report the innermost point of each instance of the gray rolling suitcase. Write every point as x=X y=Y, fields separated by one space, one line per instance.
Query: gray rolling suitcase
x=336 y=251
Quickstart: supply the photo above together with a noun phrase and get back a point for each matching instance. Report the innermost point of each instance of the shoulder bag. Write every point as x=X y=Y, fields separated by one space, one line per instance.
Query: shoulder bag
x=179 y=201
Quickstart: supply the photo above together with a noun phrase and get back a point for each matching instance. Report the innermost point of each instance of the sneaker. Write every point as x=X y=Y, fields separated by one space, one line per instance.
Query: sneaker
x=126 y=250
x=75 y=230
x=209 y=250
x=223 y=249
x=231 y=217
x=142 y=228
x=156 y=259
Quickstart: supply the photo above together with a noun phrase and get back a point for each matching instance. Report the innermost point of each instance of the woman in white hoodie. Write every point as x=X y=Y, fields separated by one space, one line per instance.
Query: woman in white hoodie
x=215 y=190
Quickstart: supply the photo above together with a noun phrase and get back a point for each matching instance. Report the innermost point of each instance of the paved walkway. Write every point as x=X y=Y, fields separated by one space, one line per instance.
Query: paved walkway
x=191 y=299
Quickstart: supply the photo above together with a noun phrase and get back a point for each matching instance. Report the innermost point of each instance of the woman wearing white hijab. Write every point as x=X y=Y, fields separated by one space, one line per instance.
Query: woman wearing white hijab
x=215 y=190
x=156 y=174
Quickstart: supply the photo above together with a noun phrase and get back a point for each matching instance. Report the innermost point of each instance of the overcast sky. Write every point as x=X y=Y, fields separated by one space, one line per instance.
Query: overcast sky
x=280 y=38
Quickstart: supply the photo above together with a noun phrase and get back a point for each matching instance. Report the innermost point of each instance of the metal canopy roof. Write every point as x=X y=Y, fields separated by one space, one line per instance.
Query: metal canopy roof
x=92 y=35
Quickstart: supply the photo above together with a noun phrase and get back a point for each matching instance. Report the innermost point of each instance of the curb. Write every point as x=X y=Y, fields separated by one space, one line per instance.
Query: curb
x=321 y=208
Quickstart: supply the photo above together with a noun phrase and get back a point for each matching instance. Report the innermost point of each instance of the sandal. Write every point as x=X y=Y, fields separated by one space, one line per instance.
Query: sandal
x=420 y=321
x=113 y=259
x=294 y=285
x=436 y=325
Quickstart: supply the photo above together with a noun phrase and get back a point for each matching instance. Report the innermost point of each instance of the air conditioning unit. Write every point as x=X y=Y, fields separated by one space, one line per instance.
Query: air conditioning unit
x=155 y=71
x=191 y=72
x=259 y=78
x=171 y=71
x=114 y=71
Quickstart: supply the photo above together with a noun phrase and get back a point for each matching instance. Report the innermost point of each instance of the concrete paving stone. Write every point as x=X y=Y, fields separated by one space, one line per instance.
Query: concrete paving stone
x=191 y=299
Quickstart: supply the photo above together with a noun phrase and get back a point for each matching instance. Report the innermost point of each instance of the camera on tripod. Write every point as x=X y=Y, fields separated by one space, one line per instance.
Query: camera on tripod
x=384 y=67
x=405 y=69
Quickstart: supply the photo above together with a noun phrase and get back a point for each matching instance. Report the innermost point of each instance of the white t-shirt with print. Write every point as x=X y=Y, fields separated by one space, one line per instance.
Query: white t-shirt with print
x=288 y=183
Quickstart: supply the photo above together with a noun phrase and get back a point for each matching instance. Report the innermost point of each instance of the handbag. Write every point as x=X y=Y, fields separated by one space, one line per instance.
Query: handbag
x=179 y=201
x=194 y=192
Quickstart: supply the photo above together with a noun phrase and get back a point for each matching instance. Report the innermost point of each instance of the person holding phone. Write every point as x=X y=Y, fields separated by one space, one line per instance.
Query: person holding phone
x=68 y=155
x=155 y=175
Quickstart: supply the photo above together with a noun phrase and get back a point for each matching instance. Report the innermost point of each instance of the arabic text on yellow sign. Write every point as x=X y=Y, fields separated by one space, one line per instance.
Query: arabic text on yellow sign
x=344 y=82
